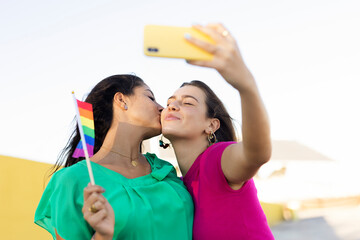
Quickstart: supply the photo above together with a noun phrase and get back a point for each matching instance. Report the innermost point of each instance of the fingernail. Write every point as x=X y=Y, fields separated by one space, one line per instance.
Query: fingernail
x=103 y=189
x=187 y=35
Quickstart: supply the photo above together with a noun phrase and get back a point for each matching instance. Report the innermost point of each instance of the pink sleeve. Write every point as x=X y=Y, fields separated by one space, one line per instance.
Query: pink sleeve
x=215 y=177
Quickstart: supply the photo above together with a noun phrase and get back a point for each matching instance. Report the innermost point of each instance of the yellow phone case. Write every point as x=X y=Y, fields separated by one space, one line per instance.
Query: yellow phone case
x=170 y=42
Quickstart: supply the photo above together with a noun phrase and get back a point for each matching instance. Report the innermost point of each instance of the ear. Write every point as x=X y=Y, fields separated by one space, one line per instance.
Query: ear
x=120 y=100
x=214 y=125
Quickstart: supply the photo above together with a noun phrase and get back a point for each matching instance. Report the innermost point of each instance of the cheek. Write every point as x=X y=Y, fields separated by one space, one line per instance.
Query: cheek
x=163 y=113
x=195 y=121
x=150 y=108
x=195 y=115
x=146 y=114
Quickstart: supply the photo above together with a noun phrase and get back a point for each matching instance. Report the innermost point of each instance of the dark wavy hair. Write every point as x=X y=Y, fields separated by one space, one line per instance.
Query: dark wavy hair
x=216 y=109
x=101 y=97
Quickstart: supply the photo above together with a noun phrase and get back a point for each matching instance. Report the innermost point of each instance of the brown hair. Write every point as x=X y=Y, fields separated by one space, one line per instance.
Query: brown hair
x=216 y=109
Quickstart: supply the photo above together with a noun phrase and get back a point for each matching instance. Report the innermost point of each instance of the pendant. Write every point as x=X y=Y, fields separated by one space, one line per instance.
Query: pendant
x=134 y=163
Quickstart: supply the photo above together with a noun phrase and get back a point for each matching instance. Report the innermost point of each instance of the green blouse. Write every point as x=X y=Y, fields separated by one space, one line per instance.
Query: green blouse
x=155 y=206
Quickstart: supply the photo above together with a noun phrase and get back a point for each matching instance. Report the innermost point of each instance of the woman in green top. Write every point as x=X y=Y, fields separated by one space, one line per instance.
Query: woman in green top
x=144 y=199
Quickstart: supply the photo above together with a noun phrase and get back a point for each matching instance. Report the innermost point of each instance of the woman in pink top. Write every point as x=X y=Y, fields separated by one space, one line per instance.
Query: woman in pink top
x=218 y=170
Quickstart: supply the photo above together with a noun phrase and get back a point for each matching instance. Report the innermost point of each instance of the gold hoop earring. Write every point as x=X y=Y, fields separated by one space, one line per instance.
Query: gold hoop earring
x=211 y=138
x=162 y=144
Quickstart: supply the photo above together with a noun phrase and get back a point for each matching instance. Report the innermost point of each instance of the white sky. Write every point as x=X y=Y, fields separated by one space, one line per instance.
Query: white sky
x=304 y=55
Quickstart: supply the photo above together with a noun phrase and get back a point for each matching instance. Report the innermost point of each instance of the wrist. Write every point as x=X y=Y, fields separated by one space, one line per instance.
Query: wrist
x=246 y=86
x=240 y=78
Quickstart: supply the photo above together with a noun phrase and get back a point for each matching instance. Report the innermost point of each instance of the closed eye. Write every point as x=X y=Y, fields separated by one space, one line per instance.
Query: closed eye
x=152 y=99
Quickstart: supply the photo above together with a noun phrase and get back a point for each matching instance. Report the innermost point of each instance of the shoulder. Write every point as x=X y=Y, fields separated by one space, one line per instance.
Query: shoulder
x=210 y=161
x=69 y=175
x=217 y=149
x=64 y=184
x=72 y=171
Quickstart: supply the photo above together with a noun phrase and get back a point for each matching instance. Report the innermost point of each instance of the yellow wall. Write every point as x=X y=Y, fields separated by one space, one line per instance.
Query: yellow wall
x=274 y=212
x=21 y=185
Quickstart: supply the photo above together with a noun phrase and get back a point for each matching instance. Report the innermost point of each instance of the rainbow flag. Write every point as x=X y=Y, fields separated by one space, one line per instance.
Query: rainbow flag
x=85 y=112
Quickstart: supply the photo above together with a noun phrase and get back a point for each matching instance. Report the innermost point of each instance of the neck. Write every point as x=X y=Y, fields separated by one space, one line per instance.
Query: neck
x=121 y=138
x=187 y=151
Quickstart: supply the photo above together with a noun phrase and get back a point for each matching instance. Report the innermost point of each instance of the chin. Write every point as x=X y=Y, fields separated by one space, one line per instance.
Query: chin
x=171 y=133
x=153 y=133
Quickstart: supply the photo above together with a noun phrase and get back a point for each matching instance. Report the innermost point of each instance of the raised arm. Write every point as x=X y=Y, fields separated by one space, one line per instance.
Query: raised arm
x=240 y=161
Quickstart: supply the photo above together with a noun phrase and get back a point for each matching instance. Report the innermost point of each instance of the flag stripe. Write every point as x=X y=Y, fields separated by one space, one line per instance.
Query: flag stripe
x=89 y=132
x=86 y=113
x=84 y=105
x=87 y=122
x=90 y=149
x=79 y=152
x=89 y=140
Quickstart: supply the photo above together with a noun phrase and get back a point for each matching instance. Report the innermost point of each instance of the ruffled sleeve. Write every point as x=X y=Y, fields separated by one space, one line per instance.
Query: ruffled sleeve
x=60 y=207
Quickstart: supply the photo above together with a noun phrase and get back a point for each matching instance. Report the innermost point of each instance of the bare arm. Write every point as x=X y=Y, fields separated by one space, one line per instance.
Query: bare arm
x=239 y=161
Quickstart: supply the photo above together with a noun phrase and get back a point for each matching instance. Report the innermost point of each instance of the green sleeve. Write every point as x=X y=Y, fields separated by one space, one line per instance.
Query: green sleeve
x=60 y=207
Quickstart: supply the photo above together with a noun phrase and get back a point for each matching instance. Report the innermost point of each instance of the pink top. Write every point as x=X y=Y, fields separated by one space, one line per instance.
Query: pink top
x=220 y=211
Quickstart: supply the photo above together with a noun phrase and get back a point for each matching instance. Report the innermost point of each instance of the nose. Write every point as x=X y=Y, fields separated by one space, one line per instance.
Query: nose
x=173 y=106
x=161 y=108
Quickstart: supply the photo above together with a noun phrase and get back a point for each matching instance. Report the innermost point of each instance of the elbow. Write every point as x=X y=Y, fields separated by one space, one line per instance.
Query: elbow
x=266 y=154
x=262 y=156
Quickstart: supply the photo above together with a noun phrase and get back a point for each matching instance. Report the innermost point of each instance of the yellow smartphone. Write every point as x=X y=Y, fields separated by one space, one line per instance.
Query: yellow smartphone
x=170 y=42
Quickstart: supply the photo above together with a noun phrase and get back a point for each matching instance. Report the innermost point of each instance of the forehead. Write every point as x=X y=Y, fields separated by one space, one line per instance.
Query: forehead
x=192 y=91
x=142 y=88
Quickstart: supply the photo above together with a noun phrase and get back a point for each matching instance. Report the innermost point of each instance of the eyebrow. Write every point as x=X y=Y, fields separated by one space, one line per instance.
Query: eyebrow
x=184 y=96
x=150 y=92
